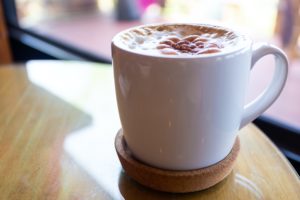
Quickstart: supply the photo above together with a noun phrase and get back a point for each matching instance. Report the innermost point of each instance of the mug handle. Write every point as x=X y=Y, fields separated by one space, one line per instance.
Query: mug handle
x=255 y=108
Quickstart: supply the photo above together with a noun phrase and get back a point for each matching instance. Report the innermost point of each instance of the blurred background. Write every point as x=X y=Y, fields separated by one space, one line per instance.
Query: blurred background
x=83 y=29
x=90 y=24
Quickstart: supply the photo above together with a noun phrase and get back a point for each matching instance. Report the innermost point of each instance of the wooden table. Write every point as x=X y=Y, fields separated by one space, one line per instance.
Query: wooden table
x=58 y=121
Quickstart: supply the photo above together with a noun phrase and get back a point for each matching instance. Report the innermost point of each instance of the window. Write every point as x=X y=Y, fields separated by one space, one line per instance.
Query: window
x=88 y=26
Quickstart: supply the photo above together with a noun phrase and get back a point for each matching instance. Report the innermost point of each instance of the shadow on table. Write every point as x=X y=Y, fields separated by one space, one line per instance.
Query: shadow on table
x=232 y=187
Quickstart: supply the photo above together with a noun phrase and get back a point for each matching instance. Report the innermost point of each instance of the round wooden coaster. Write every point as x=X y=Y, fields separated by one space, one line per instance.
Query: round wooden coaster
x=174 y=181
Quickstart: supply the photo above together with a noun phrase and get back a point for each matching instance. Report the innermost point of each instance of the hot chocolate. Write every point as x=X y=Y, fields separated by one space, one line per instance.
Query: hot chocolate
x=179 y=39
x=180 y=91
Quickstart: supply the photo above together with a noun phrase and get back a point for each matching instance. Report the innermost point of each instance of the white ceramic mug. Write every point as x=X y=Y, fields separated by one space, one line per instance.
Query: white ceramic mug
x=184 y=112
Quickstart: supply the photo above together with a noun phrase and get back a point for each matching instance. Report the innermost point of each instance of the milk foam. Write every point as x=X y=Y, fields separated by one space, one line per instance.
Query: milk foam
x=147 y=39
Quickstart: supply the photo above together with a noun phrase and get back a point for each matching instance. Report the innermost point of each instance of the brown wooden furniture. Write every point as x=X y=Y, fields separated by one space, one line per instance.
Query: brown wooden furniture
x=58 y=121
x=5 y=56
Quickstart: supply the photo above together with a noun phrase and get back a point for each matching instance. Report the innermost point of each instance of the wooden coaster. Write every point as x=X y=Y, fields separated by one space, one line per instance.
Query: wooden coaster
x=170 y=180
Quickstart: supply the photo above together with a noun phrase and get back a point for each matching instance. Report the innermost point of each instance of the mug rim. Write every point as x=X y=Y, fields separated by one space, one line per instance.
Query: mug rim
x=247 y=43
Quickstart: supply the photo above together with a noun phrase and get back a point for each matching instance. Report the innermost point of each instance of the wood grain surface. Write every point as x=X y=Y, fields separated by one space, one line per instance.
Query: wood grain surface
x=58 y=121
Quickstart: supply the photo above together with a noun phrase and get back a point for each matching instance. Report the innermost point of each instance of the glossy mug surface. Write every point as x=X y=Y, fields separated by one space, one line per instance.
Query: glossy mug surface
x=182 y=111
